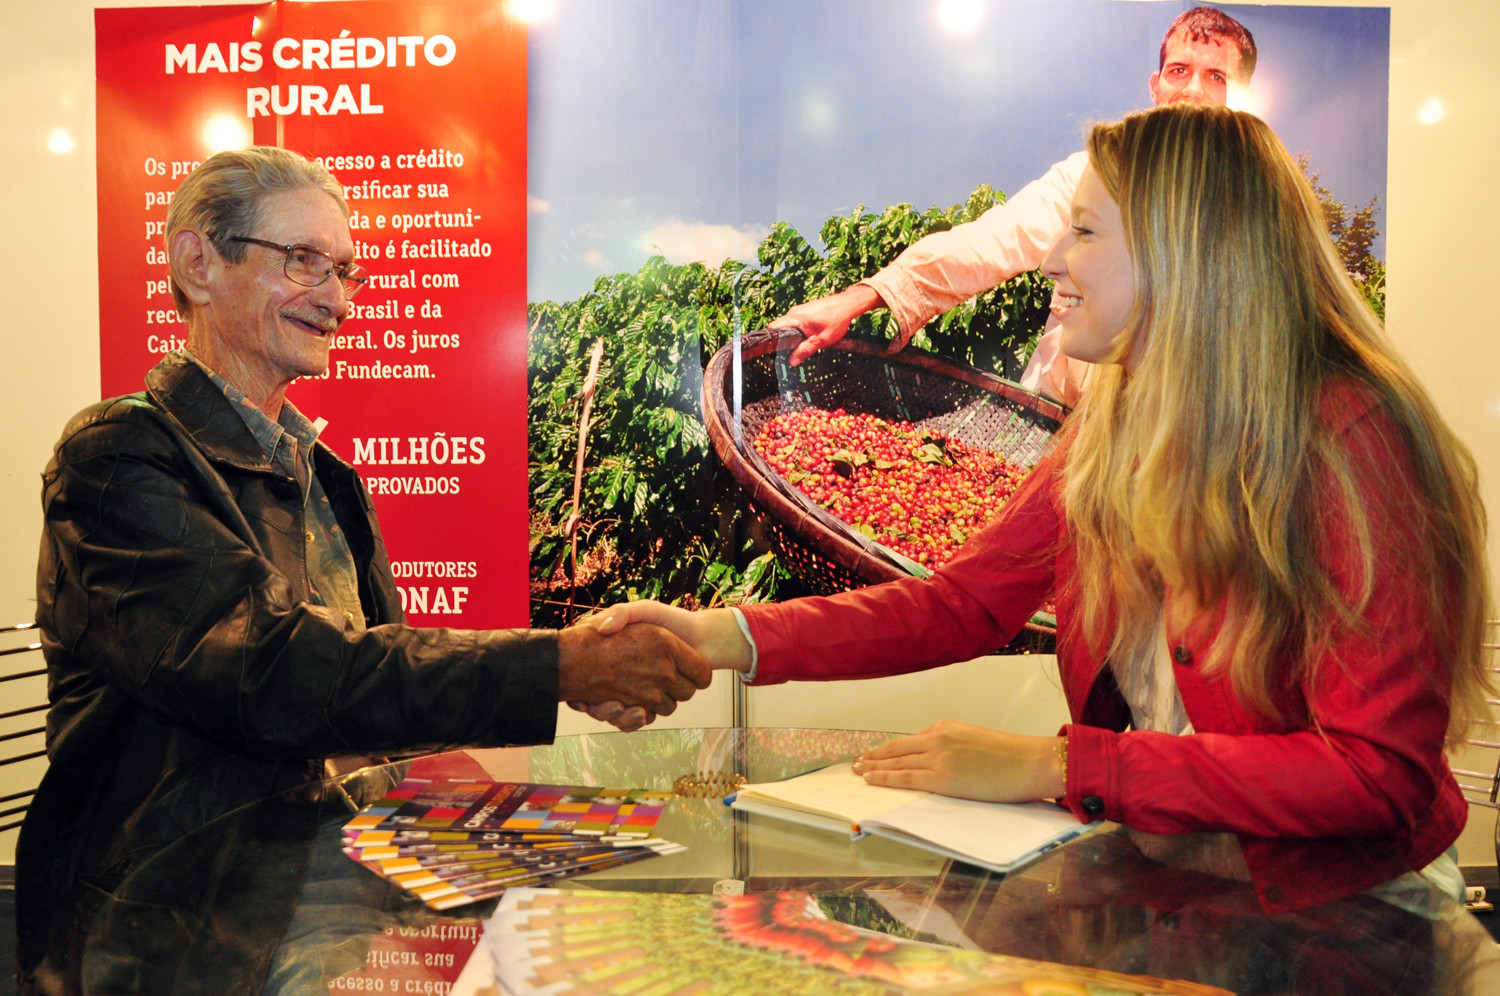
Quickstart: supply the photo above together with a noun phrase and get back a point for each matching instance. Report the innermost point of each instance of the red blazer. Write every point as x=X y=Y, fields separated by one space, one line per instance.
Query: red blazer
x=1350 y=797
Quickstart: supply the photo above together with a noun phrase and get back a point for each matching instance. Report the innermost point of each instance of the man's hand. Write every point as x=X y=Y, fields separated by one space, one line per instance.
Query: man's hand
x=627 y=720
x=969 y=762
x=712 y=633
x=644 y=667
x=823 y=321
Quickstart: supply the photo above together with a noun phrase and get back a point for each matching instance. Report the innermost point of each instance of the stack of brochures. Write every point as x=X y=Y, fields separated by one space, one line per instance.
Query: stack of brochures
x=456 y=841
x=995 y=835
x=545 y=941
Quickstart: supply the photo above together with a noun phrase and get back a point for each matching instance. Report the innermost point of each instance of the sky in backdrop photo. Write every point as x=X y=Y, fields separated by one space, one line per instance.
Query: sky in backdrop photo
x=686 y=128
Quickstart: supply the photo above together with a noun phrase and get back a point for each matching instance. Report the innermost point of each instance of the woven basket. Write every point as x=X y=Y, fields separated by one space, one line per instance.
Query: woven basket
x=749 y=381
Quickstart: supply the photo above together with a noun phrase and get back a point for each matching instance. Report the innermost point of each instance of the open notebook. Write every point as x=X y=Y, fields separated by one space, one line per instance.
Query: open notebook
x=996 y=835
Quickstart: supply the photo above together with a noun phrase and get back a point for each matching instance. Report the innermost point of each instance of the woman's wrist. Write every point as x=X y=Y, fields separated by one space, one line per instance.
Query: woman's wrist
x=1060 y=757
x=724 y=644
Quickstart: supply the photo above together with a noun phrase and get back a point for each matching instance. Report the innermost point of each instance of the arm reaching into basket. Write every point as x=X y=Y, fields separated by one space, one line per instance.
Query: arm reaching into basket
x=1204 y=54
x=943 y=269
x=825 y=320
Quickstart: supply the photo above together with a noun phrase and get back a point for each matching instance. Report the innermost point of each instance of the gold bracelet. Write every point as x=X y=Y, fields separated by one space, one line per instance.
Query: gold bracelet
x=1061 y=750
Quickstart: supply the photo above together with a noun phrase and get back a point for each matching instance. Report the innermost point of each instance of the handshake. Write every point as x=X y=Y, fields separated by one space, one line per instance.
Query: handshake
x=633 y=662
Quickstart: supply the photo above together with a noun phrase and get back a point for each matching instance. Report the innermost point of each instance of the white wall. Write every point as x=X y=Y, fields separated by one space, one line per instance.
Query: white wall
x=1443 y=229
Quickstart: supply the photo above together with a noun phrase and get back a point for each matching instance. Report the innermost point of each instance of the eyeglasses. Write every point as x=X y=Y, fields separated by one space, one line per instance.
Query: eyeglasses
x=310 y=266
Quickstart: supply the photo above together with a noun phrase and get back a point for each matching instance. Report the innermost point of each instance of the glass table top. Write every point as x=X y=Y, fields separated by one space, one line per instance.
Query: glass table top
x=265 y=900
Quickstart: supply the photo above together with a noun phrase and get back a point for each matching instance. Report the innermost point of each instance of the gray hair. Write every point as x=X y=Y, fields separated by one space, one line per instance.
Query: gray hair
x=225 y=195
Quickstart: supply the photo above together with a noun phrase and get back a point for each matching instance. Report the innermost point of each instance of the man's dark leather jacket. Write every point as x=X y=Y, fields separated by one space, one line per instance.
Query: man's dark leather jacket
x=188 y=673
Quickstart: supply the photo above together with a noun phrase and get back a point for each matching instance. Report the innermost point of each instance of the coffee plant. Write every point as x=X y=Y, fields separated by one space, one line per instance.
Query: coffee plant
x=659 y=518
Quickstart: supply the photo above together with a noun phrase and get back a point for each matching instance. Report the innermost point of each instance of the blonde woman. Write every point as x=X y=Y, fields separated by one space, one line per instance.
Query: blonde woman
x=1267 y=549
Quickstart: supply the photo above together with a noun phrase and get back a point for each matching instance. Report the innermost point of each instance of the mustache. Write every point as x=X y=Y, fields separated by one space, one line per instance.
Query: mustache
x=322 y=322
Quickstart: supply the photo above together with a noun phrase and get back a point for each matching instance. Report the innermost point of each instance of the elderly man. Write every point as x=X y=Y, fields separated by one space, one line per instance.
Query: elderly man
x=1203 y=54
x=217 y=610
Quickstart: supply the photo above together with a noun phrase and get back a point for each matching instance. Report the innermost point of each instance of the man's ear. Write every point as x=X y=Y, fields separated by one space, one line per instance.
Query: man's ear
x=1151 y=85
x=193 y=262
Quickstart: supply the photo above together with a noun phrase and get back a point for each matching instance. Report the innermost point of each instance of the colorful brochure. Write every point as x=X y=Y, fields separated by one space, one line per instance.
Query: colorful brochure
x=477 y=806
x=431 y=854
x=457 y=841
x=447 y=893
x=543 y=942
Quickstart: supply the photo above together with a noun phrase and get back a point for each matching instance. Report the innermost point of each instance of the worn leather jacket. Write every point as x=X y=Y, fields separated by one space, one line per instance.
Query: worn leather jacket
x=188 y=672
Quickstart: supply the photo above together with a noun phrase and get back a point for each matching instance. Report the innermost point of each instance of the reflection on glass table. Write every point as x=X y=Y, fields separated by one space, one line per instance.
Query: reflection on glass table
x=276 y=906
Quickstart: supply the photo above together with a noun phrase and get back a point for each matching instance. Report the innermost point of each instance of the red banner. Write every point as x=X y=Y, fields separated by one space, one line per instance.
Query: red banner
x=419 y=109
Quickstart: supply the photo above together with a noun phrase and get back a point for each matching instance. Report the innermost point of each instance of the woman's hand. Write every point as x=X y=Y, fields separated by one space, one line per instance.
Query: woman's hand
x=968 y=762
x=714 y=633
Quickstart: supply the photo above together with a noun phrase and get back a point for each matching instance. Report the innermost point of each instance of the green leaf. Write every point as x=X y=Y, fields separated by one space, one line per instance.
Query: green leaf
x=845 y=462
x=933 y=453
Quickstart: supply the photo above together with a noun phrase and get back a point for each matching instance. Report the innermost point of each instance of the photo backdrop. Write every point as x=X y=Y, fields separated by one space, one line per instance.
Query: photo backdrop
x=531 y=179
x=696 y=168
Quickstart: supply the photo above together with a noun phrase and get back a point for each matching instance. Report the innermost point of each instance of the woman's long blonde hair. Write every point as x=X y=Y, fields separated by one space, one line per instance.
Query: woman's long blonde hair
x=1202 y=471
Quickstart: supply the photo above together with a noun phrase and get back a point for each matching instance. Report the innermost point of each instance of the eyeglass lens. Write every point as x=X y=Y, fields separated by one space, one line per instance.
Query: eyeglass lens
x=307 y=266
